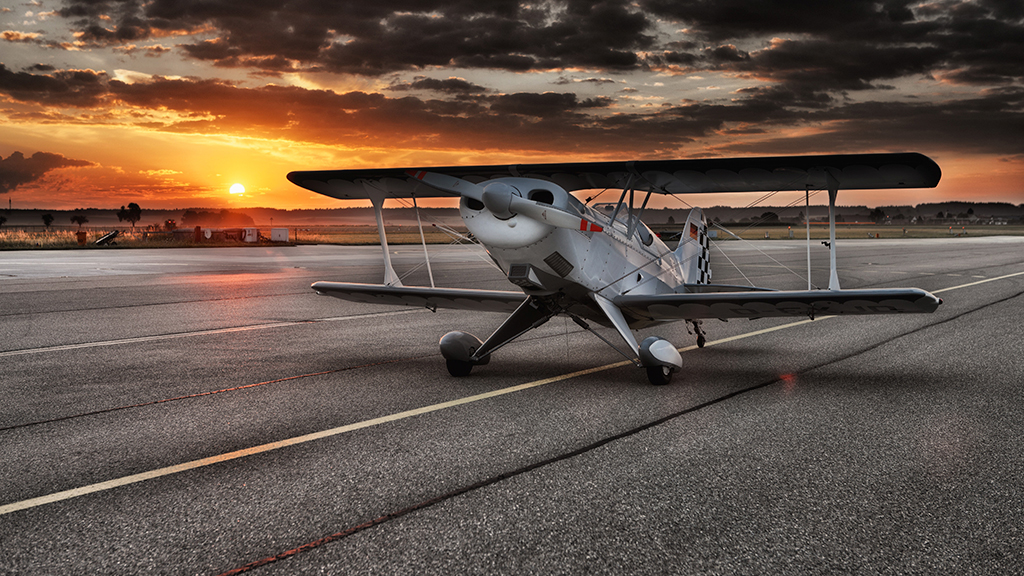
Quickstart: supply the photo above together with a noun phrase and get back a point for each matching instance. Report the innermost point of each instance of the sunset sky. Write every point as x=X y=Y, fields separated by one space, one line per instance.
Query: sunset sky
x=168 y=103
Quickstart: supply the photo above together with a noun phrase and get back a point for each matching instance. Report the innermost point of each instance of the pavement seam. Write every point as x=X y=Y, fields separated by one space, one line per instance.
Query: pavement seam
x=588 y=448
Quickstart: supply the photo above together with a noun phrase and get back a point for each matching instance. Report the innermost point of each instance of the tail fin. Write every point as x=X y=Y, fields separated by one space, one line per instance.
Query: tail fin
x=693 y=252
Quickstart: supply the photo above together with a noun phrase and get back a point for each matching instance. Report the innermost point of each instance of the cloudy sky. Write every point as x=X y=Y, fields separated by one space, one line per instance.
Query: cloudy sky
x=167 y=103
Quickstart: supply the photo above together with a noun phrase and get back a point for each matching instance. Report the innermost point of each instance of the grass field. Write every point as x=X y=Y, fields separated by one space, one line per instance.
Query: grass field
x=18 y=239
x=869 y=231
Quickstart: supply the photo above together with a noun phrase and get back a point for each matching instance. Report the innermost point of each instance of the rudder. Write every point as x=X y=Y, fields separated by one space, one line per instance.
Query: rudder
x=694 y=250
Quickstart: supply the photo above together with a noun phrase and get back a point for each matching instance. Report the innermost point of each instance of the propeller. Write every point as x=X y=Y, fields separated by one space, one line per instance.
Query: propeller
x=504 y=201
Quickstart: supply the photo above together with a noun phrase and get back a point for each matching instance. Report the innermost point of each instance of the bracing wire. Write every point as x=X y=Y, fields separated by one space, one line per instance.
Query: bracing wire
x=726 y=256
x=456 y=240
x=752 y=225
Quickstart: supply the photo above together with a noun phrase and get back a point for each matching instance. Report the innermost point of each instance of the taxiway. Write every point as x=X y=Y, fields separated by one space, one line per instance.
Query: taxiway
x=203 y=411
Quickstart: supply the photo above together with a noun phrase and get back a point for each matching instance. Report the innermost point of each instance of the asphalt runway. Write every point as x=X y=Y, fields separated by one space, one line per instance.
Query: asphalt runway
x=199 y=411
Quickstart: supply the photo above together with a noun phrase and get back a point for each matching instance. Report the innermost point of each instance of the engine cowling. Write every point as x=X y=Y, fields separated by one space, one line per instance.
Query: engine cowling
x=511 y=232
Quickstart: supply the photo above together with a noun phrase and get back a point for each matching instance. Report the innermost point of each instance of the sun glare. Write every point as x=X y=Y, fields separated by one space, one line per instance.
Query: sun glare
x=237 y=189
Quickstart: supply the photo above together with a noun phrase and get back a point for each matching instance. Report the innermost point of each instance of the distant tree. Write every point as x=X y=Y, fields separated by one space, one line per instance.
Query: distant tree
x=79 y=219
x=196 y=218
x=132 y=214
x=223 y=218
x=671 y=220
x=940 y=215
x=170 y=225
x=3 y=220
x=228 y=218
x=970 y=211
x=899 y=217
x=47 y=220
x=770 y=217
x=877 y=215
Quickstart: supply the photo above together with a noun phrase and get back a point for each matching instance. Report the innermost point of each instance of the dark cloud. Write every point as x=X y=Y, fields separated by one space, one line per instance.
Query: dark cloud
x=72 y=88
x=847 y=45
x=853 y=44
x=446 y=86
x=727 y=53
x=374 y=38
x=539 y=105
x=563 y=81
x=834 y=66
x=717 y=21
x=837 y=46
x=16 y=170
x=552 y=122
x=987 y=124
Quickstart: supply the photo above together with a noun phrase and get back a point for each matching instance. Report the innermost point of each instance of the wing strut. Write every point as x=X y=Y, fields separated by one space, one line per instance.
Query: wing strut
x=807 y=221
x=377 y=199
x=423 y=240
x=618 y=205
x=833 y=191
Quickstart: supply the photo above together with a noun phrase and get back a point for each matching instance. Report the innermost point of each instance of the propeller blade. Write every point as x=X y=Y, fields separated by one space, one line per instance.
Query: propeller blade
x=551 y=215
x=448 y=184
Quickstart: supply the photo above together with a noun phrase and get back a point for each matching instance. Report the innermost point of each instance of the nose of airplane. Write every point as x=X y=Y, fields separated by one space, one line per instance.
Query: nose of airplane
x=497 y=197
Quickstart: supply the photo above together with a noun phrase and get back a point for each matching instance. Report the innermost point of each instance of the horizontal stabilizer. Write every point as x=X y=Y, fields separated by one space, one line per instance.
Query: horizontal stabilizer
x=778 y=303
x=457 y=298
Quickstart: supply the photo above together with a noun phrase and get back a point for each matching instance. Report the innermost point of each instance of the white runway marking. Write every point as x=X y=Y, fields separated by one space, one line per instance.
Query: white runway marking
x=978 y=282
x=126 y=480
x=132 y=479
x=160 y=337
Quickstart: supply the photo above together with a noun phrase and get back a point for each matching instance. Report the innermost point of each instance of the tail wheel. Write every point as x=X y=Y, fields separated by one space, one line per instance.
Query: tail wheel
x=701 y=340
x=458 y=368
x=659 y=375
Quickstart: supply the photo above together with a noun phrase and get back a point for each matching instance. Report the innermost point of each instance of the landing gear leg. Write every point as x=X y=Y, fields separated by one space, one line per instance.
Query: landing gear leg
x=701 y=335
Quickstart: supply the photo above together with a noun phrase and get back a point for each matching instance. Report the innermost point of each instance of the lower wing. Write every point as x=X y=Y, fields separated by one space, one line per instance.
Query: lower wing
x=763 y=304
x=460 y=299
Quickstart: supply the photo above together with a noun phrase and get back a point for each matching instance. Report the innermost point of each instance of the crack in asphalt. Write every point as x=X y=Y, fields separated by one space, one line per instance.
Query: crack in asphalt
x=592 y=446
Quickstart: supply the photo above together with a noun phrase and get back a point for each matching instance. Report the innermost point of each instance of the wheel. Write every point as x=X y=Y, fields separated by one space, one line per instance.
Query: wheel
x=701 y=340
x=659 y=375
x=458 y=368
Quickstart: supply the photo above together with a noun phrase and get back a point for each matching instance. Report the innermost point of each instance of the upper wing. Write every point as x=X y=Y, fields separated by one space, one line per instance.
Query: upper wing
x=483 y=300
x=851 y=171
x=778 y=303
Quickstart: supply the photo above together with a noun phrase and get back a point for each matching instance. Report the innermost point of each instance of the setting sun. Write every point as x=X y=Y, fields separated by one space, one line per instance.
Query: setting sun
x=237 y=189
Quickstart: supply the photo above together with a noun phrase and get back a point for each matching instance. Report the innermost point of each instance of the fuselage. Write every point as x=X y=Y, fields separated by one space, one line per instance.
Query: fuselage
x=573 y=265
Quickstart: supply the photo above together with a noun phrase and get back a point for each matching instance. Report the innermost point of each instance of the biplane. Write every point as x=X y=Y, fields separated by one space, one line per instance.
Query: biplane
x=606 y=266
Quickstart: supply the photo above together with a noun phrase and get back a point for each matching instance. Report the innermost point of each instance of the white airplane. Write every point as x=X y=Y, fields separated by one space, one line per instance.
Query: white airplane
x=568 y=258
